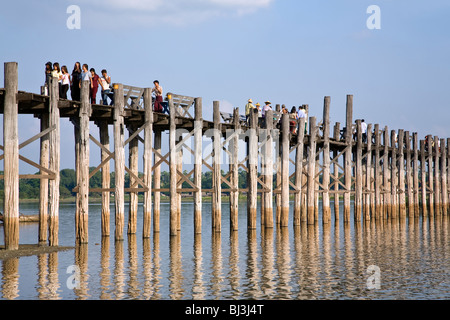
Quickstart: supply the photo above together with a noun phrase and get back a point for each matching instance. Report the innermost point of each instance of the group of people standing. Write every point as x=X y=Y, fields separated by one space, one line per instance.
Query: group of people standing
x=73 y=81
x=294 y=115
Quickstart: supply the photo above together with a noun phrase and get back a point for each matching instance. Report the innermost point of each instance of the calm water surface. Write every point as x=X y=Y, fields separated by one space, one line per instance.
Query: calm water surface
x=309 y=262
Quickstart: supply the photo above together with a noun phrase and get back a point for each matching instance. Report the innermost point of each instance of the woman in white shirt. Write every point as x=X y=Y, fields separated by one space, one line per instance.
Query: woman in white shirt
x=65 y=82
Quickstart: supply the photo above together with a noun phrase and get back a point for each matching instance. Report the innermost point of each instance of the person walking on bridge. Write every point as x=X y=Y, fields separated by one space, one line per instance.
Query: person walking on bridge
x=248 y=108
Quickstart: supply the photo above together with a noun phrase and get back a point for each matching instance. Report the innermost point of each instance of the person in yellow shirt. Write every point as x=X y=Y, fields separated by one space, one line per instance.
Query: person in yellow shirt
x=248 y=108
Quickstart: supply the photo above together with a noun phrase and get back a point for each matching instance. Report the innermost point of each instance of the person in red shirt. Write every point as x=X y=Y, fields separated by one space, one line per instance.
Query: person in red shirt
x=94 y=85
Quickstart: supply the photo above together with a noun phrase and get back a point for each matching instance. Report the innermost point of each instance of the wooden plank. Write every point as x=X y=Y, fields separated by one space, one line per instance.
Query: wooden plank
x=326 y=215
x=106 y=178
x=348 y=158
x=148 y=142
x=234 y=170
x=216 y=174
x=119 y=163
x=359 y=175
x=43 y=183
x=311 y=170
x=252 y=165
x=401 y=174
x=285 y=135
x=423 y=178
x=268 y=171
x=11 y=156
x=173 y=160
x=198 y=125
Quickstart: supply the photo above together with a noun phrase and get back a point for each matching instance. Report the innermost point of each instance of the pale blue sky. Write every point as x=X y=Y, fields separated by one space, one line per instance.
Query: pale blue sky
x=291 y=52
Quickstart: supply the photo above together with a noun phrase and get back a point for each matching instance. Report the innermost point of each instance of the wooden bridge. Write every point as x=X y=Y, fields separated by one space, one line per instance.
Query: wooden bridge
x=390 y=175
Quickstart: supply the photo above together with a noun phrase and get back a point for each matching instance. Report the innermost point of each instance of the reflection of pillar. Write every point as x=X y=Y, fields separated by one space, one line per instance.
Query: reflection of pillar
x=119 y=274
x=147 y=268
x=53 y=277
x=105 y=272
x=81 y=260
x=133 y=268
x=42 y=288
x=253 y=289
x=156 y=266
x=234 y=274
x=198 y=286
x=10 y=278
x=217 y=265
x=267 y=270
x=175 y=269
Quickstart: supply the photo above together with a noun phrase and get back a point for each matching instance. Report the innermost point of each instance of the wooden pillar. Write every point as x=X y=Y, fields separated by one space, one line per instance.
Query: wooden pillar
x=377 y=173
x=423 y=178
x=119 y=164
x=394 y=177
x=148 y=142
x=217 y=172
x=82 y=210
x=326 y=210
x=198 y=162
x=133 y=163
x=11 y=157
x=409 y=176
x=437 y=179
x=368 y=182
x=173 y=168
x=285 y=151
x=415 y=174
x=336 y=188
x=359 y=175
x=43 y=189
x=252 y=165
x=430 y=178
x=234 y=171
x=54 y=163
x=268 y=171
x=299 y=171
x=311 y=169
x=448 y=173
x=106 y=179
x=401 y=174
x=157 y=183
x=278 y=167
x=179 y=179
x=348 y=158
x=443 y=173
x=386 y=175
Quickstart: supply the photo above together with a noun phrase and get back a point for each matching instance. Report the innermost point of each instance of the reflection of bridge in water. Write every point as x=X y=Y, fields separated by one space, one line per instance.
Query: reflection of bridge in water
x=389 y=178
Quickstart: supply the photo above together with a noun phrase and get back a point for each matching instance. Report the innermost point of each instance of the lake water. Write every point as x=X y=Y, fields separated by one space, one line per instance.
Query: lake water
x=389 y=260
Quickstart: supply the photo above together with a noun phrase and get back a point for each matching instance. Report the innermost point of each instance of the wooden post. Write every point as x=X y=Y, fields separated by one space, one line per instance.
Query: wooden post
x=416 y=174
x=448 y=173
x=359 y=178
x=423 y=177
x=43 y=189
x=268 y=171
x=401 y=174
x=278 y=171
x=157 y=183
x=234 y=171
x=119 y=164
x=299 y=171
x=82 y=210
x=133 y=163
x=252 y=165
x=285 y=151
x=437 y=179
x=106 y=179
x=148 y=142
x=217 y=172
x=348 y=158
x=173 y=168
x=368 y=181
x=326 y=211
x=377 y=175
x=337 y=196
x=430 y=178
x=386 y=175
x=311 y=169
x=443 y=173
x=54 y=158
x=394 y=177
x=409 y=177
x=198 y=162
x=11 y=157
x=179 y=178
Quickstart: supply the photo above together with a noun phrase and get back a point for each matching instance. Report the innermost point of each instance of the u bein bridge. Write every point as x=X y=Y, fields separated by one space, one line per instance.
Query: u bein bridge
x=390 y=175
